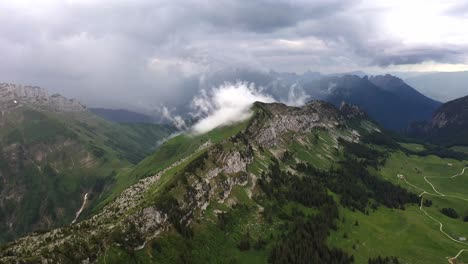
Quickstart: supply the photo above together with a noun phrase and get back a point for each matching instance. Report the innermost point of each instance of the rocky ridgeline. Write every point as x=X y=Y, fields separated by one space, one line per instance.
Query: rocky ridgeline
x=131 y=197
x=127 y=211
x=14 y=95
x=140 y=213
x=130 y=218
x=314 y=115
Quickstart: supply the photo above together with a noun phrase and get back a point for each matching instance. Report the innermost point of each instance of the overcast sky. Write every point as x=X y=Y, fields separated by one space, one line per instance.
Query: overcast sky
x=107 y=50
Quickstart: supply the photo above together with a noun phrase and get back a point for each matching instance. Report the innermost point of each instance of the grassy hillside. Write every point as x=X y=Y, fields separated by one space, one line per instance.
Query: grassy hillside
x=49 y=160
x=176 y=148
x=290 y=185
x=411 y=235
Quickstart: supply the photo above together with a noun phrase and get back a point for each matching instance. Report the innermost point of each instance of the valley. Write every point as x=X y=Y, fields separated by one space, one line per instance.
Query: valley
x=54 y=152
x=419 y=234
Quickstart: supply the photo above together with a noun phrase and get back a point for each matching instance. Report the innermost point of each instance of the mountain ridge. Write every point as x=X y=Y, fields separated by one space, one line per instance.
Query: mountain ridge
x=384 y=104
x=179 y=194
x=14 y=95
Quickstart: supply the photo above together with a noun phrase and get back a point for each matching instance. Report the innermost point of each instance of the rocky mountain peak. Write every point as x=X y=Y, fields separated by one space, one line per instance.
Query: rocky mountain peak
x=14 y=95
x=275 y=120
x=350 y=111
x=384 y=80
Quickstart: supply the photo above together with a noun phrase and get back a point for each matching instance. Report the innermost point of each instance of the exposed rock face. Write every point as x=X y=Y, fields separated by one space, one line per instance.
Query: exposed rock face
x=351 y=111
x=453 y=113
x=12 y=95
x=449 y=124
x=316 y=114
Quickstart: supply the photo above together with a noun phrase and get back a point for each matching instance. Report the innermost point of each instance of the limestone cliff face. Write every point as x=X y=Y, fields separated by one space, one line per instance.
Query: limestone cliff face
x=13 y=95
x=284 y=119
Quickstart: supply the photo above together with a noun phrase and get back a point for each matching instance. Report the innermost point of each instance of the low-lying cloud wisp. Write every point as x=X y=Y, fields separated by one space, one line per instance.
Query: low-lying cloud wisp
x=226 y=104
x=176 y=120
x=296 y=96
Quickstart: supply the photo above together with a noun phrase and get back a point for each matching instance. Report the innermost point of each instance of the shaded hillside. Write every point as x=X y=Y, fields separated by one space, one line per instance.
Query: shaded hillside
x=53 y=152
x=398 y=87
x=122 y=116
x=449 y=125
x=385 y=98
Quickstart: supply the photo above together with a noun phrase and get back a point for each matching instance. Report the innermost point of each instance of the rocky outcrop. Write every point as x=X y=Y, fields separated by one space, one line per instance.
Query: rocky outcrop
x=284 y=119
x=13 y=95
x=351 y=111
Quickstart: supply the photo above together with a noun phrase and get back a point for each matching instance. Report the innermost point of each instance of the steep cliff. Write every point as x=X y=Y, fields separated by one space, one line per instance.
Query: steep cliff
x=14 y=95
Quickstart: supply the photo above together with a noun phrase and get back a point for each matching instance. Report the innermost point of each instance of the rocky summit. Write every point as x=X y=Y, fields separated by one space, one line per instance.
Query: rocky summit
x=15 y=95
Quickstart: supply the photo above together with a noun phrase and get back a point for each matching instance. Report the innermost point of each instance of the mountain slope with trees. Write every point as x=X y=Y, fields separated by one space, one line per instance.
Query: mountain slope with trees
x=274 y=183
x=50 y=158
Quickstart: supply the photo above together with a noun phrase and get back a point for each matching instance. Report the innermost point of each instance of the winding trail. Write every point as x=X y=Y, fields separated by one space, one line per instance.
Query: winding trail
x=451 y=177
x=451 y=260
x=78 y=213
x=437 y=193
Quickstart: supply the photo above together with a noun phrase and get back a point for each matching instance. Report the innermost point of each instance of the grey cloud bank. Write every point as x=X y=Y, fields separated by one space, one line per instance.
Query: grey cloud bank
x=143 y=54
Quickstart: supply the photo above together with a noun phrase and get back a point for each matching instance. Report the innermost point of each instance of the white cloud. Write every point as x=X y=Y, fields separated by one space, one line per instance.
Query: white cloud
x=297 y=96
x=176 y=120
x=167 y=67
x=227 y=104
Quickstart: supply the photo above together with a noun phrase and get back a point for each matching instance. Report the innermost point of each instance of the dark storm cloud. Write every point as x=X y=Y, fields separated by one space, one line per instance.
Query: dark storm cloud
x=144 y=53
x=266 y=15
x=421 y=54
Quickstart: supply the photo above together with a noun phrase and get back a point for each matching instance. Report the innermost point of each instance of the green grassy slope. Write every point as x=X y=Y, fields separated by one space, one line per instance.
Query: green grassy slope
x=49 y=160
x=313 y=196
x=410 y=234
x=169 y=152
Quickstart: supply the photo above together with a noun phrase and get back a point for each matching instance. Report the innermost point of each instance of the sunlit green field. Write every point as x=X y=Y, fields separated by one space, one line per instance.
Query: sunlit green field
x=410 y=234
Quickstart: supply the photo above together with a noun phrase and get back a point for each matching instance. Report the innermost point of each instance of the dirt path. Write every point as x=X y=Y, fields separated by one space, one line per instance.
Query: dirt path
x=451 y=260
x=451 y=177
x=437 y=193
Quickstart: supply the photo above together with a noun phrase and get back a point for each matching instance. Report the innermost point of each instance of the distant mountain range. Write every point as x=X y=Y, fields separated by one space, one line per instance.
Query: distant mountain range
x=387 y=99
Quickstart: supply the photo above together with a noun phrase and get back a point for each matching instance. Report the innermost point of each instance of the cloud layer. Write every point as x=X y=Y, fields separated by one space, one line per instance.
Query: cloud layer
x=224 y=105
x=144 y=53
